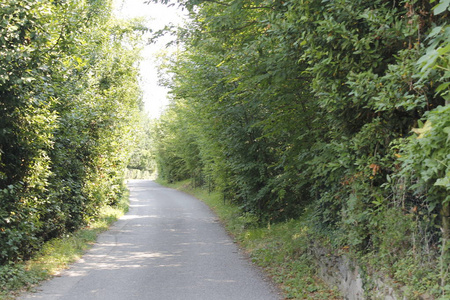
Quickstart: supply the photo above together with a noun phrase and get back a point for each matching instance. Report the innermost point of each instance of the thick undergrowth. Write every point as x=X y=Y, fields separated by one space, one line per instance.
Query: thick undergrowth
x=334 y=112
x=69 y=97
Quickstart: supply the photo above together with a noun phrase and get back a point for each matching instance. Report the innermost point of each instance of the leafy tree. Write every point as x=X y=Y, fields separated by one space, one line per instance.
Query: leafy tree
x=69 y=98
x=143 y=157
x=294 y=105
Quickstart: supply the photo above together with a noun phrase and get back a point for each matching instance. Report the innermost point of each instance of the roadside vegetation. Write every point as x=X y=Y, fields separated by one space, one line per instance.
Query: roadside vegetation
x=312 y=121
x=56 y=254
x=69 y=104
x=281 y=249
x=142 y=163
x=336 y=113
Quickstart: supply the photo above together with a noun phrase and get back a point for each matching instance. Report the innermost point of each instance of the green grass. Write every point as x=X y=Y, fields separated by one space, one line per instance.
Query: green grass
x=56 y=254
x=281 y=249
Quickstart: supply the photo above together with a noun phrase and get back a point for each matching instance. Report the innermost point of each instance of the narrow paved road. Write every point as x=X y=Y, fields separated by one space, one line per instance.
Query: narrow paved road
x=169 y=246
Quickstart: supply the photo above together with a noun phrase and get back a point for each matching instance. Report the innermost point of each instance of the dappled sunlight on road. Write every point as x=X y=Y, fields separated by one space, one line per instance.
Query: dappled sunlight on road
x=169 y=246
x=131 y=217
x=120 y=260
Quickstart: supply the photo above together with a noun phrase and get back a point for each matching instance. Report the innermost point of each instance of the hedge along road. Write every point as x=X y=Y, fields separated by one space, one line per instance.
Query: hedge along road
x=168 y=246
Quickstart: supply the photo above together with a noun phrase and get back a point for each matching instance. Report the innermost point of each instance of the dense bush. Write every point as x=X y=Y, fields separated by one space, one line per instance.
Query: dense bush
x=68 y=96
x=334 y=107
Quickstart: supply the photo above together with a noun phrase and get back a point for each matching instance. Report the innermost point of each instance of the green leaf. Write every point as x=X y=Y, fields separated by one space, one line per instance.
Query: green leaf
x=444 y=50
x=428 y=60
x=447 y=131
x=442 y=87
x=445 y=182
x=434 y=32
x=441 y=7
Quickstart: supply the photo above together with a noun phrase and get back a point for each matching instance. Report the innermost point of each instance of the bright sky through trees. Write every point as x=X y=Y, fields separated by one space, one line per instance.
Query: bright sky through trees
x=157 y=17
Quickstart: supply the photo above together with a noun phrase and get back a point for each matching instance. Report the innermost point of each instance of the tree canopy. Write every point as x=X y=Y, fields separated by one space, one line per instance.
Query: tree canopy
x=335 y=109
x=69 y=97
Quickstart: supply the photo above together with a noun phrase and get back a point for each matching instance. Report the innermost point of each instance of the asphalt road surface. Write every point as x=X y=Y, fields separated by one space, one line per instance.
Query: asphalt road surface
x=169 y=246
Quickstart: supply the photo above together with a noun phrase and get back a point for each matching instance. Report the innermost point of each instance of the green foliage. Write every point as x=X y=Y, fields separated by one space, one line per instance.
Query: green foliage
x=437 y=56
x=281 y=249
x=426 y=158
x=56 y=254
x=294 y=105
x=402 y=254
x=176 y=154
x=69 y=97
x=142 y=158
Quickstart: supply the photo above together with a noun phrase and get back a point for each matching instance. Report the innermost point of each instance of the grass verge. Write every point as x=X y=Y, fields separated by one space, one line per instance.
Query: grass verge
x=56 y=254
x=281 y=249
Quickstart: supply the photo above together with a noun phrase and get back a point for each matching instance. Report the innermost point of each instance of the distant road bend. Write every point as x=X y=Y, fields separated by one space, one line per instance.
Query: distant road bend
x=169 y=246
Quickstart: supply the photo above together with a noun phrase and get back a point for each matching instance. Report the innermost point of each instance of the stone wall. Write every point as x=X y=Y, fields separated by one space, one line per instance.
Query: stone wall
x=341 y=272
